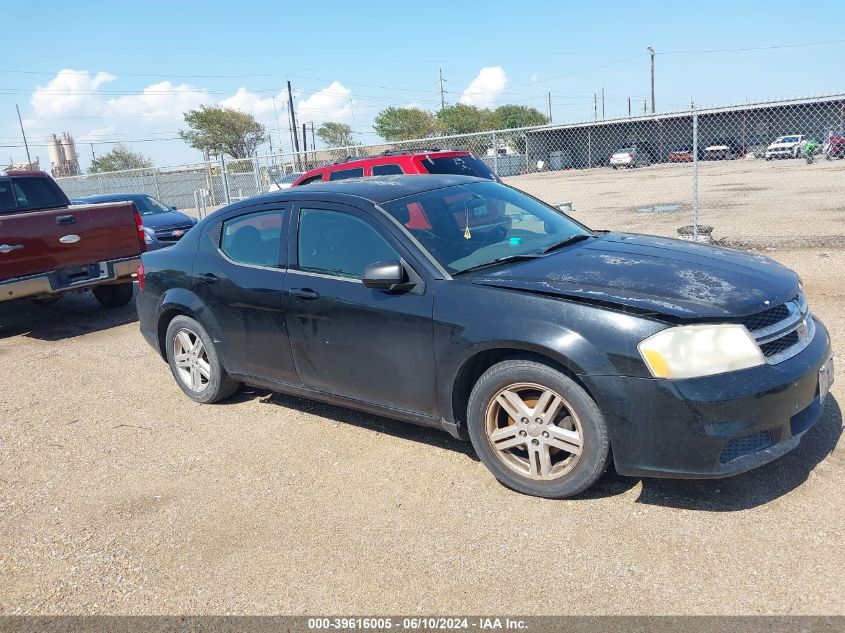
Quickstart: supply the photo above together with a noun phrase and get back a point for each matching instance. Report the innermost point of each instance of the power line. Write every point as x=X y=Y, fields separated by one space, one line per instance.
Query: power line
x=752 y=48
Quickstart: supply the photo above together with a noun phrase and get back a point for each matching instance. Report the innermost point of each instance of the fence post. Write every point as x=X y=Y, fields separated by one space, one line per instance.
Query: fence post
x=495 y=154
x=155 y=180
x=225 y=180
x=694 y=175
x=527 y=162
x=256 y=170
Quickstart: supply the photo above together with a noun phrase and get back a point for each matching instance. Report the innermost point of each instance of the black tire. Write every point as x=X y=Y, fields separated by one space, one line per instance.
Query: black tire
x=114 y=295
x=218 y=384
x=595 y=447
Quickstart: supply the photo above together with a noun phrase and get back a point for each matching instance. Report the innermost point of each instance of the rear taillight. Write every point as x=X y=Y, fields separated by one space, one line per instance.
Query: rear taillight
x=140 y=226
x=141 y=276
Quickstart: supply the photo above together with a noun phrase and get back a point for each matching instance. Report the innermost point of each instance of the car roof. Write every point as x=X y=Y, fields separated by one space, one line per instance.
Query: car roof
x=376 y=189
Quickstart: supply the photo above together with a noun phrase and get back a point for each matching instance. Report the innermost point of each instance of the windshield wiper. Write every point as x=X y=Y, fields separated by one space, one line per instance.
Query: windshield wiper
x=497 y=261
x=572 y=239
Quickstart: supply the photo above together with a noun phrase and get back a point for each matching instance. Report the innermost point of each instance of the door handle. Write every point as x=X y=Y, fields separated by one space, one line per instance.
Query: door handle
x=8 y=248
x=65 y=219
x=209 y=278
x=305 y=293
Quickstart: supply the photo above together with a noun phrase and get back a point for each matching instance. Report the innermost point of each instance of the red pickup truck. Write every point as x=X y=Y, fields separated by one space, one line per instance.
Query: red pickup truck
x=48 y=247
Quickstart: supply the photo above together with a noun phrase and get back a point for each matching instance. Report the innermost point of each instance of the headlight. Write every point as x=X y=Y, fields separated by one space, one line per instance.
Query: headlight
x=148 y=237
x=690 y=351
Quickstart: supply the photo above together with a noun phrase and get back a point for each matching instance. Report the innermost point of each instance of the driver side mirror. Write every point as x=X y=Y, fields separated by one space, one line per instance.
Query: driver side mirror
x=389 y=275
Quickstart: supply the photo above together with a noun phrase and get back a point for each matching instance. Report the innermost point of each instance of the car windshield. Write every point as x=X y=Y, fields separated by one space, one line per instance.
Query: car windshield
x=787 y=139
x=473 y=225
x=627 y=150
x=150 y=206
x=458 y=165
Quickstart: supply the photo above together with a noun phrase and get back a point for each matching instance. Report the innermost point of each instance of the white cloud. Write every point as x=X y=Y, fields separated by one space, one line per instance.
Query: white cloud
x=484 y=90
x=70 y=92
x=534 y=77
x=75 y=101
x=333 y=103
x=163 y=100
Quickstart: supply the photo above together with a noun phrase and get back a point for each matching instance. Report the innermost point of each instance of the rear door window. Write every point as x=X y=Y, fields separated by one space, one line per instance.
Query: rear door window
x=343 y=174
x=387 y=170
x=253 y=239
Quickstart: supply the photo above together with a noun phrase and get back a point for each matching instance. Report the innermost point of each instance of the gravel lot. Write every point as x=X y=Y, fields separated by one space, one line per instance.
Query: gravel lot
x=119 y=495
x=749 y=202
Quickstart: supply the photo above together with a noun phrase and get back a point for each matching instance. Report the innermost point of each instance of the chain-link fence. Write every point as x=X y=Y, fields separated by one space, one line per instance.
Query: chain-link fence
x=753 y=175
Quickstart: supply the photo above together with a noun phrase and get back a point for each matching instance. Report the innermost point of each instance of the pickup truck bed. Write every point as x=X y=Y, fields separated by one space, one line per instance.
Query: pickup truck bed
x=48 y=246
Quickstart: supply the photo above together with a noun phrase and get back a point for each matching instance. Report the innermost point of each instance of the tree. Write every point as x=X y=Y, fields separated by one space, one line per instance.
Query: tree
x=335 y=134
x=403 y=124
x=465 y=119
x=221 y=131
x=119 y=158
x=509 y=116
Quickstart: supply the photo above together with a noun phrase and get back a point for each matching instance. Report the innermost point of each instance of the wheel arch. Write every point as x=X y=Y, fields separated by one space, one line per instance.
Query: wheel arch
x=481 y=360
x=179 y=301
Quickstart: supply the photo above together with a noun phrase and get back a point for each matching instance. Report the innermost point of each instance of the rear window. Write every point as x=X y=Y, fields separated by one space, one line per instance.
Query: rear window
x=27 y=193
x=343 y=174
x=457 y=165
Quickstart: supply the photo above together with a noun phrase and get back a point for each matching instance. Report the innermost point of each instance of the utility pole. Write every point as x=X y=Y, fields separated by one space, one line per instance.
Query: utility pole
x=23 y=133
x=93 y=155
x=442 y=92
x=313 y=142
x=602 y=104
x=651 y=53
x=595 y=107
x=550 y=106
x=292 y=116
x=304 y=143
x=629 y=106
x=645 y=106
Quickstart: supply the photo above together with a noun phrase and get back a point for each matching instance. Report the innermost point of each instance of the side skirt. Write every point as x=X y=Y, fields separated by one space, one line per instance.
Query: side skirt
x=368 y=407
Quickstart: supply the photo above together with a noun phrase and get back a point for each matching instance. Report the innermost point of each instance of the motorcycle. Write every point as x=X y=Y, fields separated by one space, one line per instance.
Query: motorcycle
x=810 y=148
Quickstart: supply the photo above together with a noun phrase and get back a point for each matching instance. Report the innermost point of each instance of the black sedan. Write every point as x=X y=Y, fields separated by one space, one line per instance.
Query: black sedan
x=467 y=305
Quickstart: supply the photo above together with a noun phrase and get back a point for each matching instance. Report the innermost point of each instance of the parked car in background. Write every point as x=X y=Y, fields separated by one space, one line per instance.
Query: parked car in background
x=834 y=146
x=552 y=348
x=397 y=162
x=723 y=149
x=162 y=225
x=785 y=147
x=49 y=247
x=629 y=157
x=681 y=156
x=284 y=181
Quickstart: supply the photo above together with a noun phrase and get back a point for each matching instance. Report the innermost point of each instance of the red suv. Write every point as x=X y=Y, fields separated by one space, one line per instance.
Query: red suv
x=408 y=161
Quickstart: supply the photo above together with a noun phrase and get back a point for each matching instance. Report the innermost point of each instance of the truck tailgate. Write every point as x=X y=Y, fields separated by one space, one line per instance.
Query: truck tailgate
x=43 y=241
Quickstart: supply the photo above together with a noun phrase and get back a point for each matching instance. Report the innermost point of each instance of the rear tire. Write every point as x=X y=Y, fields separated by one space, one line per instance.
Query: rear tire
x=194 y=362
x=114 y=295
x=537 y=430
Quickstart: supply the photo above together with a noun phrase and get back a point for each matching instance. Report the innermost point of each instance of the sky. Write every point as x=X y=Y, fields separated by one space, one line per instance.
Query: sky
x=126 y=72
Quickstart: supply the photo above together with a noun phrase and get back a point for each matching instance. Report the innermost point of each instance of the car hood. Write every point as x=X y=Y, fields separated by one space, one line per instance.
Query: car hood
x=168 y=220
x=782 y=145
x=658 y=275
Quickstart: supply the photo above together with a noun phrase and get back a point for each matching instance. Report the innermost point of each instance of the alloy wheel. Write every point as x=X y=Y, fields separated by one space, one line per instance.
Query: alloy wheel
x=191 y=359
x=534 y=431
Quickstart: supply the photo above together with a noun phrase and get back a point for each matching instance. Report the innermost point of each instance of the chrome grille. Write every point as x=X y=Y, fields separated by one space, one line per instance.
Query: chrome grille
x=782 y=331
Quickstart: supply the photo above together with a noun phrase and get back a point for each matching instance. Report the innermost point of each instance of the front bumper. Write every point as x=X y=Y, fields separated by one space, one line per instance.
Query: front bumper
x=786 y=152
x=714 y=426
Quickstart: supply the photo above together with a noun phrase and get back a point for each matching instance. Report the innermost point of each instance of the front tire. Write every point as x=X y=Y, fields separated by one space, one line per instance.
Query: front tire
x=537 y=430
x=114 y=295
x=194 y=362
